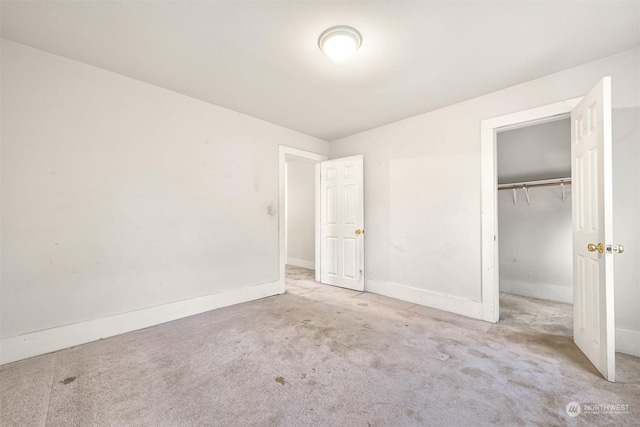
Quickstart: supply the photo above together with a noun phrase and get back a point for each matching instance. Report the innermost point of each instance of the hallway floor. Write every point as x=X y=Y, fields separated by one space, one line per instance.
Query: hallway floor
x=323 y=356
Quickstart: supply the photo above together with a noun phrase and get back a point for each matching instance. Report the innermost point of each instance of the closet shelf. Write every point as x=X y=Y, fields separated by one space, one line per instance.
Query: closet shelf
x=533 y=184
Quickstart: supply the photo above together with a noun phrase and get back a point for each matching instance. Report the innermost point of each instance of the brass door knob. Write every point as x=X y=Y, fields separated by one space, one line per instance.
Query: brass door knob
x=358 y=231
x=593 y=247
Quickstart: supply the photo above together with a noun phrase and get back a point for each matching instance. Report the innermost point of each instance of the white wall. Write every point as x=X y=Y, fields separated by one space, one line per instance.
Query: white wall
x=626 y=219
x=119 y=196
x=535 y=152
x=535 y=241
x=422 y=192
x=301 y=193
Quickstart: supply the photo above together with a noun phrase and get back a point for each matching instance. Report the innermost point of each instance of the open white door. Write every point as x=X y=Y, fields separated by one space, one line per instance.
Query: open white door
x=342 y=223
x=593 y=324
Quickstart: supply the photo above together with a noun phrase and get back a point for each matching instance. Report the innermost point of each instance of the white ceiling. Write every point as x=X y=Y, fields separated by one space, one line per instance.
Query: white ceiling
x=262 y=58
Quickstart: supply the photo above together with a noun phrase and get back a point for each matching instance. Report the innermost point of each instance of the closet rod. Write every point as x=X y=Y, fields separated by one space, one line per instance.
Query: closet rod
x=564 y=181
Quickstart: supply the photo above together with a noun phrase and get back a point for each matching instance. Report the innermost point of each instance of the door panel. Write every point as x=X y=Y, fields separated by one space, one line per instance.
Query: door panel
x=331 y=260
x=594 y=331
x=350 y=205
x=332 y=205
x=341 y=222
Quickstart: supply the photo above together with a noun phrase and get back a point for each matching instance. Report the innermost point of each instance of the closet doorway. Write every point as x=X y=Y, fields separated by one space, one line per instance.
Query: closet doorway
x=534 y=226
x=592 y=217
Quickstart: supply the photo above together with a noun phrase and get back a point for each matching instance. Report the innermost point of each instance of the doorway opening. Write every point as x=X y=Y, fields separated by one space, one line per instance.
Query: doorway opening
x=535 y=226
x=489 y=160
x=489 y=171
x=338 y=222
x=299 y=219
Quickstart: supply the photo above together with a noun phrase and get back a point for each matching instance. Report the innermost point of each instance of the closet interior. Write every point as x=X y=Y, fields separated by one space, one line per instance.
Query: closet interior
x=534 y=221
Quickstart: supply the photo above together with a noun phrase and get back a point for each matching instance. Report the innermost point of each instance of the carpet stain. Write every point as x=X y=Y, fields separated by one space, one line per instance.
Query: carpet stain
x=477 y=353
x=68 y=380
x=525 y=385
x=303 y=376
x=474 y=372
x=506 y=370
x=416 y=416
x=281 y=380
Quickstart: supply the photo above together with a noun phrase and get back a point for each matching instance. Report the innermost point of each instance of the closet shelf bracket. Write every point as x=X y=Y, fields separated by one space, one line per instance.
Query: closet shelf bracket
x=526 y=192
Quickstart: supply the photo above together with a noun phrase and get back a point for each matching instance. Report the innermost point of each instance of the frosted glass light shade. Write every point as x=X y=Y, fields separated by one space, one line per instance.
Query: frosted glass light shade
x=340 y=43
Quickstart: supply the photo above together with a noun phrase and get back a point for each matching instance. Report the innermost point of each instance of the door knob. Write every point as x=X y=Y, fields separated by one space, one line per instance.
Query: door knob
x=358 y=231
x=593 y=247
x=615 y=248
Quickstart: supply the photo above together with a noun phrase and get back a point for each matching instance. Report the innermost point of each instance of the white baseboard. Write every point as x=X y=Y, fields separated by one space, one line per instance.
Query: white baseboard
x=46 y=341
x=58 y=338
x=311 y=265
x=537 y=290
x=453 y=304
x=628 y=342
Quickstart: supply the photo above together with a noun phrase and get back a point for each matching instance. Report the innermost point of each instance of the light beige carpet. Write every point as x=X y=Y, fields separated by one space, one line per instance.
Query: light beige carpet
x=325 y=356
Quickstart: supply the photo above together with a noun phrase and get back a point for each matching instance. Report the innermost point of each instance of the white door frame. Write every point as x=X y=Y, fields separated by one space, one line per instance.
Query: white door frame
x=489 y=179
x=283 y=151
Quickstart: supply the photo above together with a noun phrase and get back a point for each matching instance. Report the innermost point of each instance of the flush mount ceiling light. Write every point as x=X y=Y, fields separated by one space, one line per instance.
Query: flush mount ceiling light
x=340 y=42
